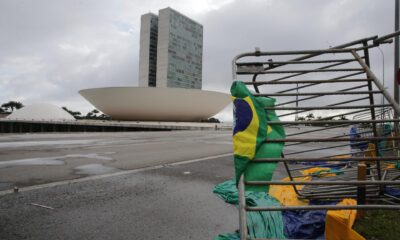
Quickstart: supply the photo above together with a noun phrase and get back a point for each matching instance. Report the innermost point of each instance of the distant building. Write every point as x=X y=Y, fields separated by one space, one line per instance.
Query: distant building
x=148 y=50
x=170 y=75
x=172 y=55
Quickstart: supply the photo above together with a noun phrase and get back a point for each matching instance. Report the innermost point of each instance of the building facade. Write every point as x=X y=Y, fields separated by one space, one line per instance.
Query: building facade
x=179 y=51
x=148 y=50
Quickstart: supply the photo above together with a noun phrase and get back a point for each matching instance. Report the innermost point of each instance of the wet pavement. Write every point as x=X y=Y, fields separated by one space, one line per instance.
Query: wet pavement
x=31 y=159
x=117 y=186
x=172 y=202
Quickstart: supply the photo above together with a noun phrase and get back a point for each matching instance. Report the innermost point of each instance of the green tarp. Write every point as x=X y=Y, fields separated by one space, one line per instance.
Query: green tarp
x=266 y=224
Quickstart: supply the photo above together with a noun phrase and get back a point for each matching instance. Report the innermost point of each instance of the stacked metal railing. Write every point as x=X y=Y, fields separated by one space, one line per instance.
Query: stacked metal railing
x=338 y=85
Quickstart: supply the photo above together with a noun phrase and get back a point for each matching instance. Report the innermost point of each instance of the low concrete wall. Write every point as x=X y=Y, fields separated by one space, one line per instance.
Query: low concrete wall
x=26 y=126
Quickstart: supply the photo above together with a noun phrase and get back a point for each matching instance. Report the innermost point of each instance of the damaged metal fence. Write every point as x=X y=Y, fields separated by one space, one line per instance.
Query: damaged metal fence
x=353 y=121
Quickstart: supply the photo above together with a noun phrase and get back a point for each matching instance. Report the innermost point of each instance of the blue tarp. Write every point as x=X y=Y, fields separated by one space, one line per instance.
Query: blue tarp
x=393 y=191
x=357 y=144
x=303 y=224
x=337 y=165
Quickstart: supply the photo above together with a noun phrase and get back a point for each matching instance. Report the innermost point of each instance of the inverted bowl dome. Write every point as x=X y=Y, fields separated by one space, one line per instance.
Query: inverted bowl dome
x=41 y=111
x=156 y=104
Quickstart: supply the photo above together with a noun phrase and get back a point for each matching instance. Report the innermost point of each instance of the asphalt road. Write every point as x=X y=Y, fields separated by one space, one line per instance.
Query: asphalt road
x=154 y=185
x=31 y=159
x=171 y=202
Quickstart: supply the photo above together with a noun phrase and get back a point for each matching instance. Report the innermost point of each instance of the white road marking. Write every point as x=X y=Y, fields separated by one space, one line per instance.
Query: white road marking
x=84 y=179
x=125 y=145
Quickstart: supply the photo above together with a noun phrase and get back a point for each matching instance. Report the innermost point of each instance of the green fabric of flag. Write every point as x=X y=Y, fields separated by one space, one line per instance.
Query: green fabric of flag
x=263 y=224
x=249 y=133
x=249 y=130
x=228 y=236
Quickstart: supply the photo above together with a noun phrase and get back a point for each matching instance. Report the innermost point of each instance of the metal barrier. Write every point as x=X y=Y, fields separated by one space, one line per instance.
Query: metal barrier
x=328 y=83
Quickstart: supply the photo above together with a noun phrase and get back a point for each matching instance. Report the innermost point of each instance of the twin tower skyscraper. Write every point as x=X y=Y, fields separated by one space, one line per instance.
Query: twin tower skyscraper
x=171 y=50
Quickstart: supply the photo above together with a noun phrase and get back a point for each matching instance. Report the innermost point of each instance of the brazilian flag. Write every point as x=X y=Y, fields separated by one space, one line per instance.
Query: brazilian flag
x=250 y=130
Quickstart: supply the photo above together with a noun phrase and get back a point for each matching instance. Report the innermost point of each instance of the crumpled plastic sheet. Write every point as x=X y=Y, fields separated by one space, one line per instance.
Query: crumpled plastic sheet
x=393 y=191
x=263 y=224
x=303 y=224
x=334 y=166
x=228 y=236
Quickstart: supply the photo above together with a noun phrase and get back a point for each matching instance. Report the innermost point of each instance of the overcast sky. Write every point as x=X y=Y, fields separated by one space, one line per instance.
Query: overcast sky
x=49 y=50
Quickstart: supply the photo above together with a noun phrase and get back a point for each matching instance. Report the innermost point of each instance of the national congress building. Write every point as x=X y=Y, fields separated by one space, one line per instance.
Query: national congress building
x=170 y=75
x=171 y=50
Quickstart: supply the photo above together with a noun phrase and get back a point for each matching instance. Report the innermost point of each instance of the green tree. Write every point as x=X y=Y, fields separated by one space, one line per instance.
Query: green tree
x=310 y=116
x=13 y=105
x=211 y=120
x=301 y=118
x=93 y=115
x=76 y=115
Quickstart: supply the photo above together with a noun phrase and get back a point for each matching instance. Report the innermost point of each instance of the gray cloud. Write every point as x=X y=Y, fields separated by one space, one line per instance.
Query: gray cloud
x=52 y=49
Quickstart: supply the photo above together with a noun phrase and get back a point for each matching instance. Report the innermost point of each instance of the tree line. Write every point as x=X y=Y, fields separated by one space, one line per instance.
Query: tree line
x=94 y=114
x=11 y=105
x=310 y=117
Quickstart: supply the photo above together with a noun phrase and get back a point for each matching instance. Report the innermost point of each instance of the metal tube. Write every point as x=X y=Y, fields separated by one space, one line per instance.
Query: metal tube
x=316 y=93
x=334 y=121
x=315 y=149
x=327 y=107
x=338 y=186
x=309 y=85
x=396 y=53
x=316 y=130
x=391 y=35
x=341 y=192
x=330 y=139
x=378 y=84
x=299 y=74
x=328 y=119
x=326 y=188
x=296 y=62
x=234 y=67
x=303 y=71
x=322 y=182
x=304 y=99
x=290 y=176
x=305 y=159
x=321 y=165
x=308 y=81
x=242 y=208
x=324 y=207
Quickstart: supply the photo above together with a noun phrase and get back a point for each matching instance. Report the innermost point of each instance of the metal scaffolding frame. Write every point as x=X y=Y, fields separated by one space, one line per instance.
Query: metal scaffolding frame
x=297 y=80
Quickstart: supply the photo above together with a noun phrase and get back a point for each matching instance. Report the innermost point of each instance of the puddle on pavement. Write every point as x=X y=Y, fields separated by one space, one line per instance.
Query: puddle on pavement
x=55 y=143
x=94 y=169
x=57 y=160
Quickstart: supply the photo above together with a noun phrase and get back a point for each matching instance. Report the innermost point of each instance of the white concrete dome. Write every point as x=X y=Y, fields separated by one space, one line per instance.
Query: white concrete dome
x=40 y=112
x=156 y=104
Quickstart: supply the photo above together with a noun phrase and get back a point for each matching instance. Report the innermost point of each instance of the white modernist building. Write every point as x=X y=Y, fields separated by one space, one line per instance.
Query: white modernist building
x=41 y=112
x=170 y=75
x=156 y=104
